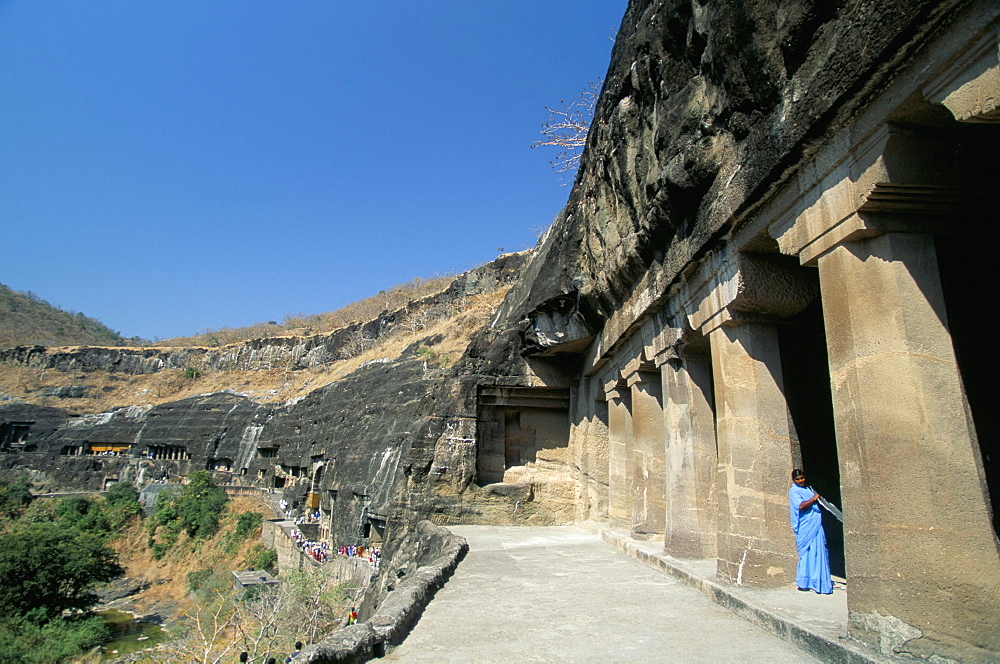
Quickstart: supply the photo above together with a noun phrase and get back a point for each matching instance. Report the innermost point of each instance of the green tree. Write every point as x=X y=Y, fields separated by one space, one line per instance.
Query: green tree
x=199 y=505
x=121 y=493
x=122 y=505
x=84 y=514
x=46 y=569
x=14 y=495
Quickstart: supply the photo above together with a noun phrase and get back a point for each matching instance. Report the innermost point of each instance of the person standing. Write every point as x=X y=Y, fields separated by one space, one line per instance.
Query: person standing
x=813 y=572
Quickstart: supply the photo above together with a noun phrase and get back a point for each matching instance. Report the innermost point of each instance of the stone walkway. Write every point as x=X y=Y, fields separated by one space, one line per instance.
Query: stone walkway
x=562 y=594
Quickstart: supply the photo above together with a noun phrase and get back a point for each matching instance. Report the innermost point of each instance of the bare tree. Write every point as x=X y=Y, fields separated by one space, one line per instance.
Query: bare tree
x=263 y=622
x=355 y=344
x=567 y=129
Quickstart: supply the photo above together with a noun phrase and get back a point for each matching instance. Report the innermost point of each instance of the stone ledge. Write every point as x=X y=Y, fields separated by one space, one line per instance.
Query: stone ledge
x=397 y=612
x=826 y=647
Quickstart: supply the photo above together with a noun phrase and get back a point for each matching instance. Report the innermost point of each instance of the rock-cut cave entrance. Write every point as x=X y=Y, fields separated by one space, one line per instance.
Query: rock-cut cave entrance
x=806 y=375
x=519 y=426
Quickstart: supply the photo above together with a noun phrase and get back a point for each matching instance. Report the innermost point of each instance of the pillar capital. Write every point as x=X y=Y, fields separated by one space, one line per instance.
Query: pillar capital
x=615 y=388
x=969 y=87
x=640 y=370
x=743 y=287
x=890 y=182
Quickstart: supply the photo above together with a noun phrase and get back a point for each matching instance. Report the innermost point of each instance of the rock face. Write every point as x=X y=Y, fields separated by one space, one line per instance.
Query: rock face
x=292 y=353
x=769 y=260
x=390 y=443
x=758 y=269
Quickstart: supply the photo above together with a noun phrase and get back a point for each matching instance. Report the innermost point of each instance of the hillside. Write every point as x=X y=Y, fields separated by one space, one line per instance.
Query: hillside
x=434 y=318
x=27 y=319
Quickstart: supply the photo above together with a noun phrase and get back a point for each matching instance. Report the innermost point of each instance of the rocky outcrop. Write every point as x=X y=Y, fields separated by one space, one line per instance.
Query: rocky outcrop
x=292 y=353
x=704 y=107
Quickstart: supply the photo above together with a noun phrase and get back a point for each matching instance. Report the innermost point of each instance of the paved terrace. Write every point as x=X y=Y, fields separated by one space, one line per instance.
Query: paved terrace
x=565 y=594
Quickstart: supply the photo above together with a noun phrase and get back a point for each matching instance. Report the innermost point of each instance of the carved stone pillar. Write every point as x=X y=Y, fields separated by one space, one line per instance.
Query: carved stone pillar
x=922 y=558
x=691 y=456
x=741 y=298
x=646 y=465
x=757 y=449
x=619 y=447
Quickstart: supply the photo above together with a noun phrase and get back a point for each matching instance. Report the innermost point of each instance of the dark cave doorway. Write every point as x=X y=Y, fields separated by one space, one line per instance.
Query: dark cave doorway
x=806 y=374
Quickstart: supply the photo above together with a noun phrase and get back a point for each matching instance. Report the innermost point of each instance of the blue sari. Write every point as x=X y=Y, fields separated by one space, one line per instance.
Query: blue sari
x=814 y=561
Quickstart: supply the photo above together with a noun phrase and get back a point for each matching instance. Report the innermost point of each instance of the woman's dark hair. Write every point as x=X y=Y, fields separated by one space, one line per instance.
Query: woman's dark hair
x=797 y=472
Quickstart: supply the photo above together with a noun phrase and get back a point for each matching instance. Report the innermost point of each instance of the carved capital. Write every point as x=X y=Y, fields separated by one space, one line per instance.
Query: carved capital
x=615 y=390
x=639 y=370
x=751 y=288
x=969 y=86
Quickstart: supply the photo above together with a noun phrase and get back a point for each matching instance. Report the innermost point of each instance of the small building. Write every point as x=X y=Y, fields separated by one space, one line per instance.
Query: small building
x=252 y=578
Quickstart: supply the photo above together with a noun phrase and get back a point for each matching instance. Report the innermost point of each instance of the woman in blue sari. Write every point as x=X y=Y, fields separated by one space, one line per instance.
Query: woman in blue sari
x=813 y=572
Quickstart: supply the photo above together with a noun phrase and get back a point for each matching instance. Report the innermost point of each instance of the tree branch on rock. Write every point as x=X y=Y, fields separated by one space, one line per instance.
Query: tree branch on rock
x=567 y=129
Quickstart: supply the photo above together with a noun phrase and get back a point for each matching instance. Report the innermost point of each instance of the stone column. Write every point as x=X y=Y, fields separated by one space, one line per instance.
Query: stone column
x=922 y=557
x=757 y=449
x=619 y=447
x=691 y=457
x=647 y=472
x=589 y=445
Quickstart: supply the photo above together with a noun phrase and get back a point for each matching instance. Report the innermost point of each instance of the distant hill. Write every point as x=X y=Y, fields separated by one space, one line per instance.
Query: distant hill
x=26 y=319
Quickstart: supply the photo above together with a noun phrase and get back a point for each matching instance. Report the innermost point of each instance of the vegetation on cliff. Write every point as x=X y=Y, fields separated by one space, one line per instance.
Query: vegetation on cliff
x=443 y=331
x=26 y=319
x=192 y=580
x=305 y=324
x=195 y=510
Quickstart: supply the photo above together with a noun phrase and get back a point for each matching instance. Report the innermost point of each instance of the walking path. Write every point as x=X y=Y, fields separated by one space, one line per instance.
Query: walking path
x=562 y=594
x=816 y=623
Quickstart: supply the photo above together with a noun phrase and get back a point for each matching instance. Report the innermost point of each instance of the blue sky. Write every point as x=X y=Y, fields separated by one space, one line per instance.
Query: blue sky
x=173 y=166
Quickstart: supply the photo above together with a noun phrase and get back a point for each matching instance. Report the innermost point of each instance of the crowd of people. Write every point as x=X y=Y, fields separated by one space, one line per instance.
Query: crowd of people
x=322 y=550
x=318 y=551
x=372 y=553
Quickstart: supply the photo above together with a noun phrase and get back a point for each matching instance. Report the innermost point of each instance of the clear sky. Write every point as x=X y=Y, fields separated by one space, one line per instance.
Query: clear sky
x=170 y=166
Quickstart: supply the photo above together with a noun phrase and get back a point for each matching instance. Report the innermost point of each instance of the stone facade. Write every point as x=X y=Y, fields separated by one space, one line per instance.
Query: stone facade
x=768 y=261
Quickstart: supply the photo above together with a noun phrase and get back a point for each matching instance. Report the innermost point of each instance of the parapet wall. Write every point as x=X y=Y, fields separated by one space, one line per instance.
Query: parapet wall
x=404 y=603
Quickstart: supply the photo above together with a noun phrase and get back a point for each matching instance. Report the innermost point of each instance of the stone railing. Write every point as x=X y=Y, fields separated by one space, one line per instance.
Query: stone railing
x=399 y=610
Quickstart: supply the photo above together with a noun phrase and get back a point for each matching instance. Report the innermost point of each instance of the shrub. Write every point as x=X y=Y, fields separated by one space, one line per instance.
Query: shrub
x=15 y=495
x=199 y=505
x=247 y=523
x=58 y=640
x=197 y=579
x=262 y=558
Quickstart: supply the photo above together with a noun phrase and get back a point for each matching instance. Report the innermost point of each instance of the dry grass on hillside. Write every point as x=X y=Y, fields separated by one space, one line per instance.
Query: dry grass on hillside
x=108 y=391
x=168 y=590
x=303 y=324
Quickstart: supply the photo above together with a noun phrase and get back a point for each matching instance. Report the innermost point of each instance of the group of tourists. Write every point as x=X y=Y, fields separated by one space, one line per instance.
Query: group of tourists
x=318 y=551
x=321 y=551
x=372 y=553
